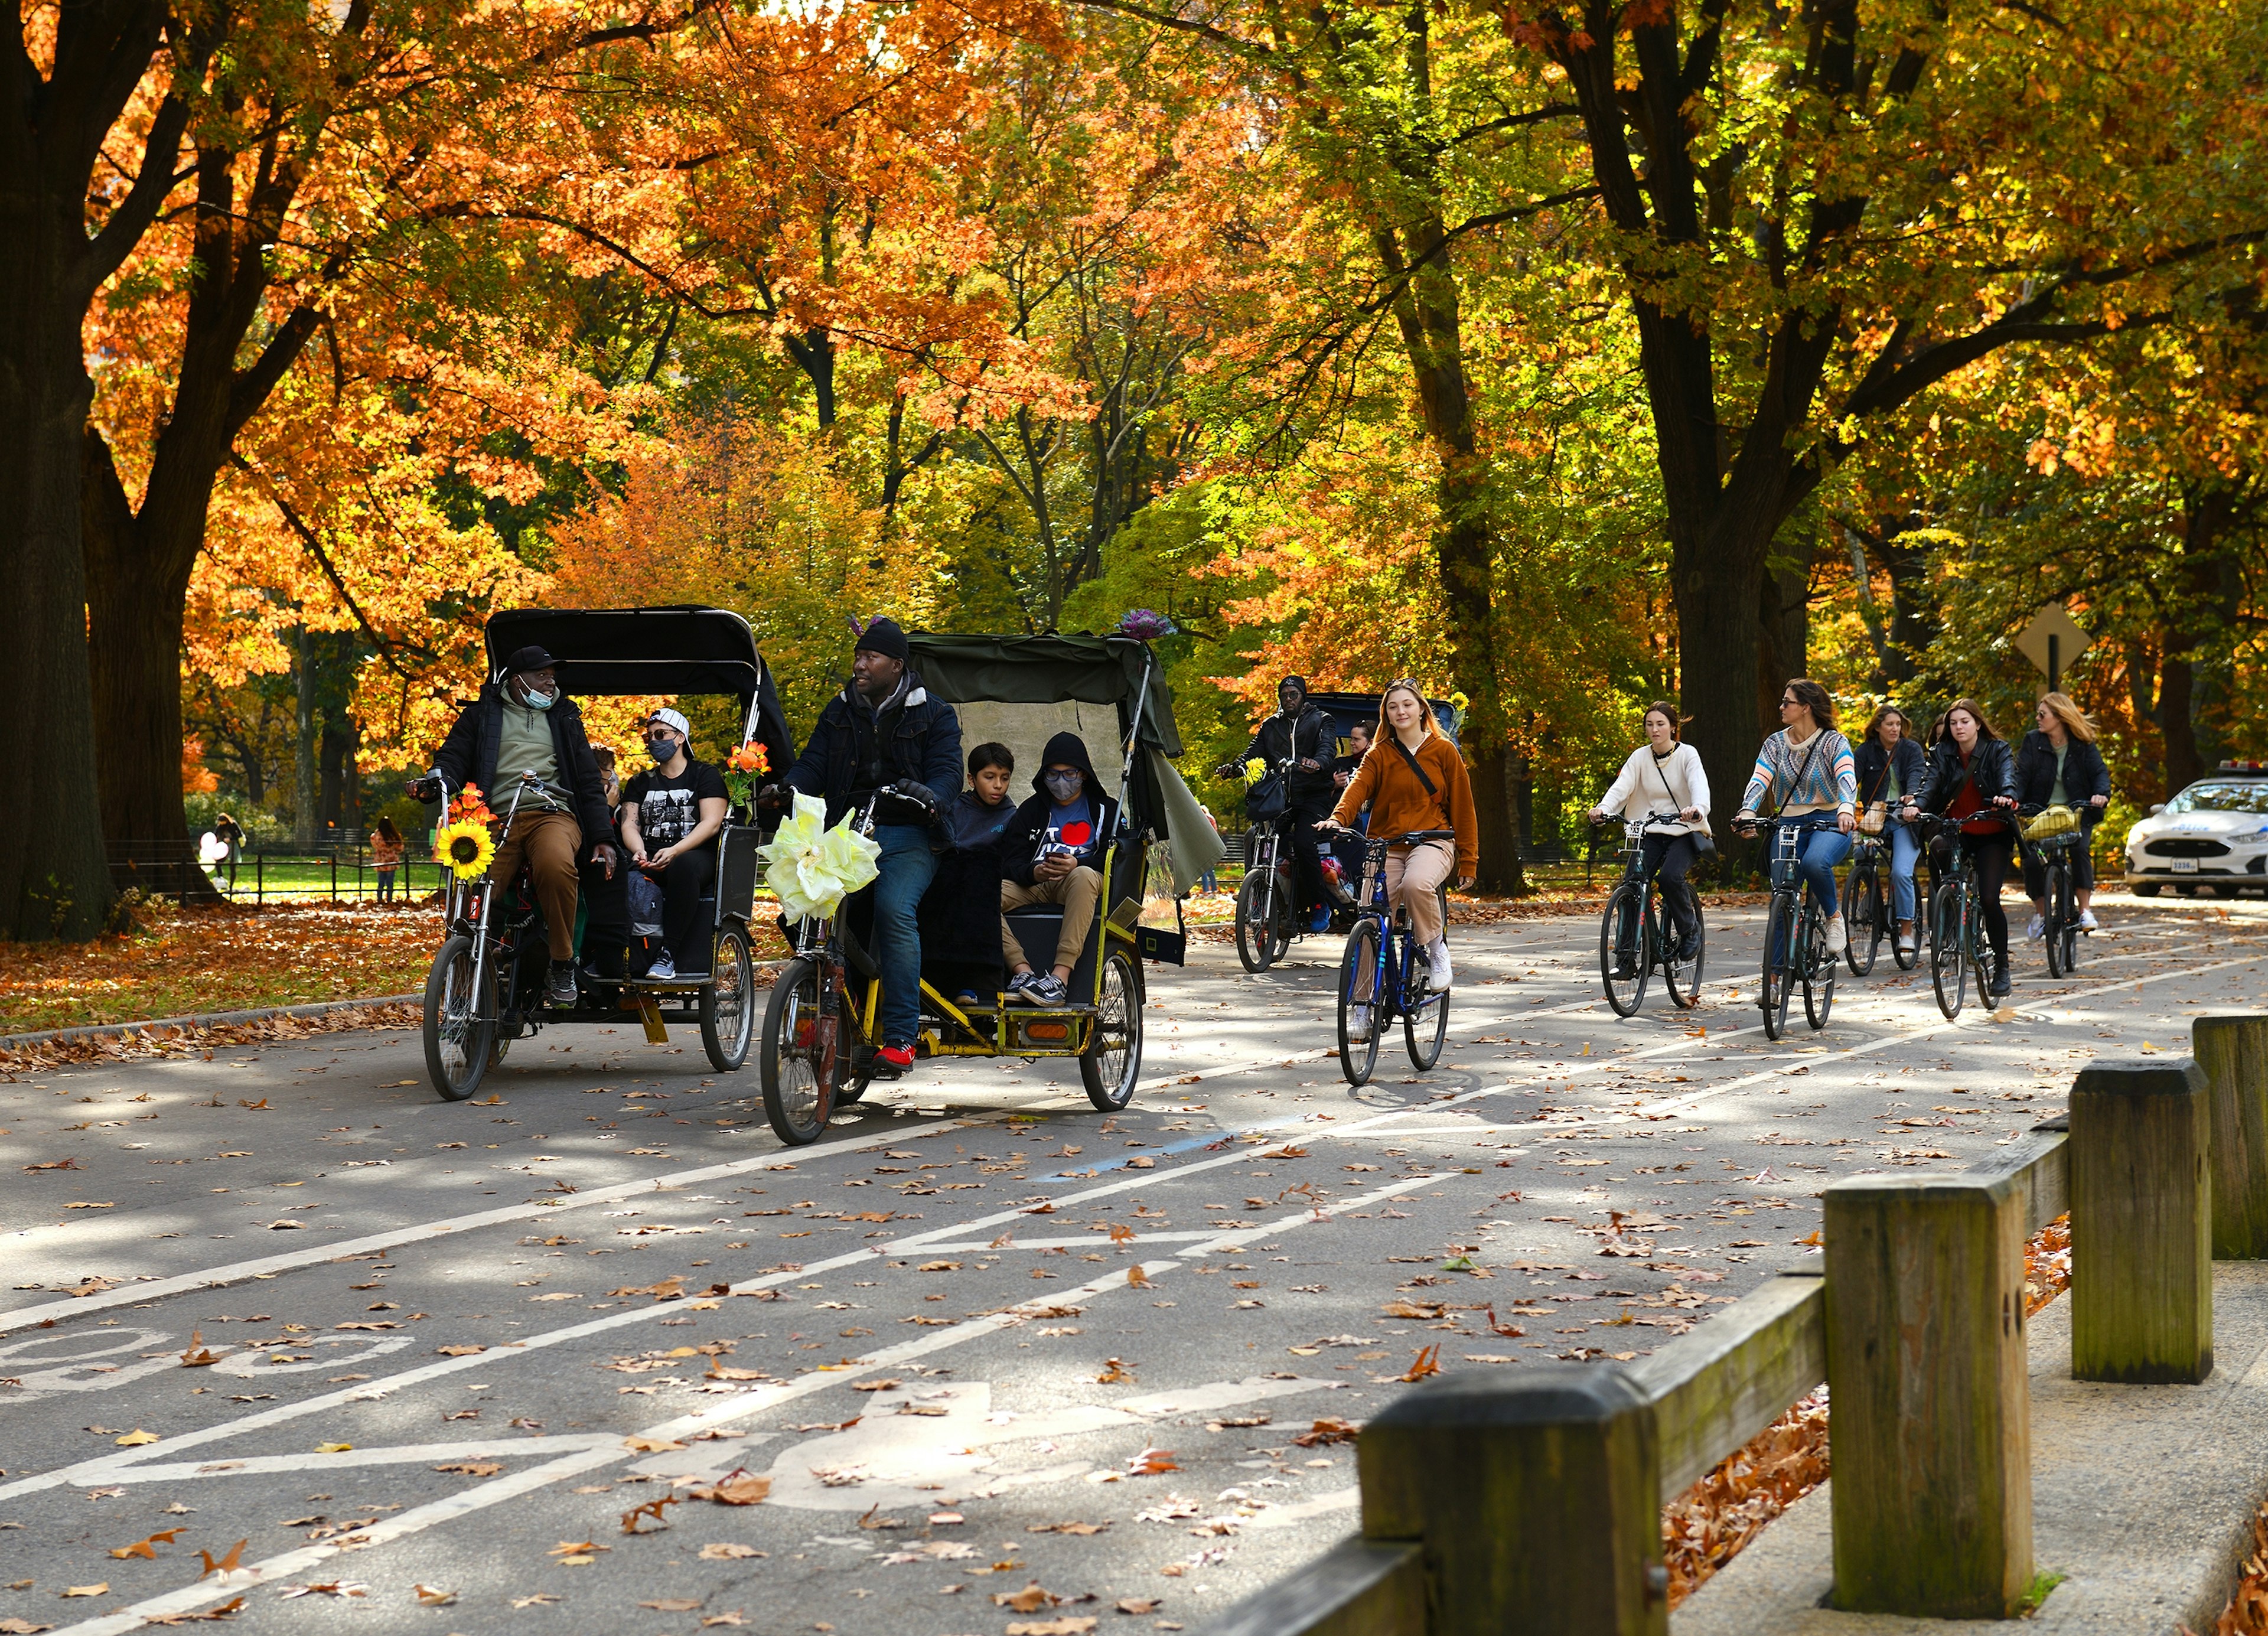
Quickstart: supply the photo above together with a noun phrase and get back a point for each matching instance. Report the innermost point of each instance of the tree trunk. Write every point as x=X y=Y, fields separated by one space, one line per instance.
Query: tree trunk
x=303 y=742
x=1784 y=650
x=340 y=805
x=1913 y=613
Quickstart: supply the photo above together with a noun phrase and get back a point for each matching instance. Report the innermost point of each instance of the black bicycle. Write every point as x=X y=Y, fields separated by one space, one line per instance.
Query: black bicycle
x=1866 y=904
x=1795 y=932
x=1957 y=944
x=1637 y=933
x=2060 y=847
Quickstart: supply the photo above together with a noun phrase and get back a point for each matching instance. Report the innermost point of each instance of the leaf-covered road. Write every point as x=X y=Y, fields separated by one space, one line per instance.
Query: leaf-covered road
x=992 y=1359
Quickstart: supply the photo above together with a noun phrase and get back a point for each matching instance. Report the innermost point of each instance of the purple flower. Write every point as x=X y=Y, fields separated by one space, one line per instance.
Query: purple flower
x=1146 y=624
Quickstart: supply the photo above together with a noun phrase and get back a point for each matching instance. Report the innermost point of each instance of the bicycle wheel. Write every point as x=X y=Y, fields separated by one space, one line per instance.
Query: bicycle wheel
x=459 y=1047
x=1255 y=920
x=1780 y=965
x=805 y=1052
x=1284 y=923
x=1425 y=1025
x=1817 y=965
x=1683 y=977
x=1862 y=919
x=1948 y=968
x=1112 y=1061
x=1623 y=925
x=1358 y=993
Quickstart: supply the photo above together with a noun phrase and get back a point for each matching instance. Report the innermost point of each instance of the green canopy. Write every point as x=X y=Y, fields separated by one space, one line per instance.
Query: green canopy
x=1050 y=670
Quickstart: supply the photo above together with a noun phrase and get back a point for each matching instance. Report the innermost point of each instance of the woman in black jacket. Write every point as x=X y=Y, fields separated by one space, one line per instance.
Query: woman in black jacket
x=1968 y=775
x=1888 y=764
x=2058 y=765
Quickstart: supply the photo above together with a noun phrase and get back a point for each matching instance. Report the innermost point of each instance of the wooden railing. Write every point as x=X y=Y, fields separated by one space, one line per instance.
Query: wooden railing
x=1533 y=1504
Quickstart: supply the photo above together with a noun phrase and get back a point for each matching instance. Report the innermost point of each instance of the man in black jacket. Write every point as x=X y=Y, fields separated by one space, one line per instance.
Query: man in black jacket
x=1300 y=733
x=884 y=729
x=523 y=723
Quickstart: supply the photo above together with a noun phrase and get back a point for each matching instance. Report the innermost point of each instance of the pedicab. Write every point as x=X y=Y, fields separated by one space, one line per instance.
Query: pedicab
x=485 y=989
x=820 y=1034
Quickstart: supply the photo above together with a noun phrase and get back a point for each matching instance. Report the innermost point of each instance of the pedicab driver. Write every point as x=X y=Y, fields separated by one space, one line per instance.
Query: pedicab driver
x=522 y=723
x=884 y=729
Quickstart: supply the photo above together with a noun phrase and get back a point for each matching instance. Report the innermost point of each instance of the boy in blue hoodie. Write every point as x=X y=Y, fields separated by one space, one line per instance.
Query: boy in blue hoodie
x=1053 y=854
x=961 y=908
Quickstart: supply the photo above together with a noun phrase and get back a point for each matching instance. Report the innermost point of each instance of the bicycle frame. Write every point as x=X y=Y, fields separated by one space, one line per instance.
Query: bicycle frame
x=460 y=890
x=1394 y=934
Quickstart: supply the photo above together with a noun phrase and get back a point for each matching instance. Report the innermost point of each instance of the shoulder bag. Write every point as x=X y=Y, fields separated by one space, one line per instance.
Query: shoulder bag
x=1704 y=842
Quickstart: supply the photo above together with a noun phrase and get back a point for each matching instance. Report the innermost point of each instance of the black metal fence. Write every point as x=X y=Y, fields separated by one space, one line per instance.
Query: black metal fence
x=327 y=872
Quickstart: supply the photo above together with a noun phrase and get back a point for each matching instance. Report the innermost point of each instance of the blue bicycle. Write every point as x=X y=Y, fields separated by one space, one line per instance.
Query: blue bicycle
x=1384 y=974
x=1795 y=932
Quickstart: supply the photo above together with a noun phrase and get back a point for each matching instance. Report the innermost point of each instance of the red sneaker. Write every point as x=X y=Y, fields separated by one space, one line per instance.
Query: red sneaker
x=896 y=1059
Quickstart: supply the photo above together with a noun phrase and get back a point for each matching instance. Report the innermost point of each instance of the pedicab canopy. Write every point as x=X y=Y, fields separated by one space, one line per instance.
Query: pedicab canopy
x=613 y=652
x=1346 y=709
x=1021 y=691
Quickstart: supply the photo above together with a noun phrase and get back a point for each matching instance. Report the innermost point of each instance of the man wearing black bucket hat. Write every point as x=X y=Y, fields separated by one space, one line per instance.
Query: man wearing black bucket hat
x=884 y=731
x=524 y=722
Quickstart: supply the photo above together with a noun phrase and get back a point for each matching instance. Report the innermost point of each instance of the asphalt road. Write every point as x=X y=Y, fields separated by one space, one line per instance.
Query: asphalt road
x=451 y=1347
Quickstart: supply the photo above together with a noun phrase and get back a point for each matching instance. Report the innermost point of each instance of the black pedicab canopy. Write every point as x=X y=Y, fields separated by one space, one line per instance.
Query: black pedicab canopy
x=613 y=652
x=1346 y=709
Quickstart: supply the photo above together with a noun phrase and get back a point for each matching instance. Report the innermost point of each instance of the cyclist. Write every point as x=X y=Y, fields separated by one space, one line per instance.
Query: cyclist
x=1968 y=774
x=1888 y=764
x=1805 y=770
x=1663 y=774
x=885 y=728
x=1414 y=780
x=1300 y=733
x=2058 y=765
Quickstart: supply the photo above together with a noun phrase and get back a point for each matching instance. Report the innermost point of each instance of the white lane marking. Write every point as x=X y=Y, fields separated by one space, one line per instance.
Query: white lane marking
x=195 y=1597
x=390 y=1453
x=236 y=1271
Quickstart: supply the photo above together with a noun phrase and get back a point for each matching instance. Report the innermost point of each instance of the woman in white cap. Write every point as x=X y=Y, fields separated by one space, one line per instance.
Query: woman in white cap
x=670 y=816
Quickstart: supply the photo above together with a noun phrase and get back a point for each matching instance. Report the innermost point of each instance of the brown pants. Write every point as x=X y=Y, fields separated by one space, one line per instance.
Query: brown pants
x=1413 y=879
x=1078 y=892
x=550 y=841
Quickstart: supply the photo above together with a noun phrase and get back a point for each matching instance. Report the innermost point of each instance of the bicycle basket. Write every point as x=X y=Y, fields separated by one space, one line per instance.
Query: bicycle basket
x=1264 y=801
x=1872 y=821
x=2051 y=821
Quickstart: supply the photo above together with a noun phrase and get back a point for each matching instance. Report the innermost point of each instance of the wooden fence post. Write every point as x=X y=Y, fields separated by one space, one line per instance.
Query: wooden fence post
x=2232 y=1050
x=1537 y=1499
x=1926 y=1366
x=2141 y=1224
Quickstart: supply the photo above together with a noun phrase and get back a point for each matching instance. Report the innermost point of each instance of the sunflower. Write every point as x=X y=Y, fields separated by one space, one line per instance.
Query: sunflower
x=466 y=847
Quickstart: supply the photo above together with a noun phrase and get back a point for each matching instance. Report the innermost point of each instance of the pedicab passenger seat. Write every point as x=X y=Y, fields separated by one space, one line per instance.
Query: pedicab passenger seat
x=1038 y=925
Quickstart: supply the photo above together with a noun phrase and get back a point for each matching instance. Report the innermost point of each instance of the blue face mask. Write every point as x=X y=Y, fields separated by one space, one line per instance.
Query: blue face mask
x=540 y=700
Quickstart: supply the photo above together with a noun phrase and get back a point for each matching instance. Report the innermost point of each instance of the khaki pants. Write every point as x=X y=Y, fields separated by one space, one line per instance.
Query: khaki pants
x=1413 y=879
x=550 y=841
x=1078 y=892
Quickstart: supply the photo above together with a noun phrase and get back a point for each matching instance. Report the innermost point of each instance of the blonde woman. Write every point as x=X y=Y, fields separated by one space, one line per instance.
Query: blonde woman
x=1663 y=776
x=1413 y=779
x=2058 y=765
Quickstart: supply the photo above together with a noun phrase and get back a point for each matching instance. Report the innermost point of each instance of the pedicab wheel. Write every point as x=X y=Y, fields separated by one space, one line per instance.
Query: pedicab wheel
x=800 y=1067
x=459 y=1047
x=1112 y=1060
x=1256 y=923
x=728 y=1003
x=1424 y=1029
x=1818 y=968
x=1780 y=956
x=1358 y=968
x=1625 y=907
x=1684 y=977
x=858 y=1074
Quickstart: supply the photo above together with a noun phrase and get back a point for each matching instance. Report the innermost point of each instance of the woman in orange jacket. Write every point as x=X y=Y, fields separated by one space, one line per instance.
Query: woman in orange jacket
x=1414 y=780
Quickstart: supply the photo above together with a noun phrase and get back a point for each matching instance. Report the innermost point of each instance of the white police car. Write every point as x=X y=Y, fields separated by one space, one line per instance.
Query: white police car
x=2213 y=834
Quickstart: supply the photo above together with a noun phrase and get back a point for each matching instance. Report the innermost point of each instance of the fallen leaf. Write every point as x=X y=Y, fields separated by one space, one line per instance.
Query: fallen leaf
x=459 y=1352
x=1326 y=1432
x=1428 y=1362
x=1068 y=1625
x=876 y=1386
x=1114 y=1373
x=1138 y=1604
x=1152 y=1463
x=431 y=1597
x=1081 y=1528
x=334 y=1448
x=226 y=1609
x=196 y=1356
x=102 y=1589
x=1031 y=1599
x=472 y=1467
x=136 y=1437
x=541 y=1599
x=228 y=1564
x=651 y=1508
x=22 y=1627
x=673 y=1605
x=731 y=1551
x=146 y=1548
x=1135 y=1278
x=651 y=1445
x=736 y=1488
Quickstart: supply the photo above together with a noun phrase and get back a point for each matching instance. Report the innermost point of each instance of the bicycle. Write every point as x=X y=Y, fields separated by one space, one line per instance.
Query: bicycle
x=1264 y=914
x=1385 y=974
x=2058 y=849
x=1866 y=903
x=1795 y=932
x=1956 y=944
x=1635 y=932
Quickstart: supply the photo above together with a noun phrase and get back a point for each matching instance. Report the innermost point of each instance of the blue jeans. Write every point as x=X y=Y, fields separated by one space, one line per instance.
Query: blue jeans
x=1818 y=850
x=1905 y=849
x=905 y=868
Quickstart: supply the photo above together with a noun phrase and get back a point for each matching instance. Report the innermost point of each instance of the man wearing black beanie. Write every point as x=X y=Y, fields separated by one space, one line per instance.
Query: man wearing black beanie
x=884 y=729
x=1300 y=733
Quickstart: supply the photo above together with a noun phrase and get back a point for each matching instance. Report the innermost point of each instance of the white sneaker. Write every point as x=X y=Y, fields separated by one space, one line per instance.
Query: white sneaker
x=1359 y=1025
x=2087 y=920
x=1906 y=942
x=1836 y=936
x=2035 y=927
x=1437 y=965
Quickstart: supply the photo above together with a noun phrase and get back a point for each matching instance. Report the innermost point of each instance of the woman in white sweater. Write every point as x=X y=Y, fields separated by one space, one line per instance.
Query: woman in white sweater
x=1663 y=777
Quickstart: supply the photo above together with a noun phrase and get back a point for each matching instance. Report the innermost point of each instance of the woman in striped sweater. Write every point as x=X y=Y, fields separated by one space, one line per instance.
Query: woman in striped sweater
x=1807 y=772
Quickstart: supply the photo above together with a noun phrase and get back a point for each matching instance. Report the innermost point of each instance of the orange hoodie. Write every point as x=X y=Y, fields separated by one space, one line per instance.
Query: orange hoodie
x=1398 y=801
